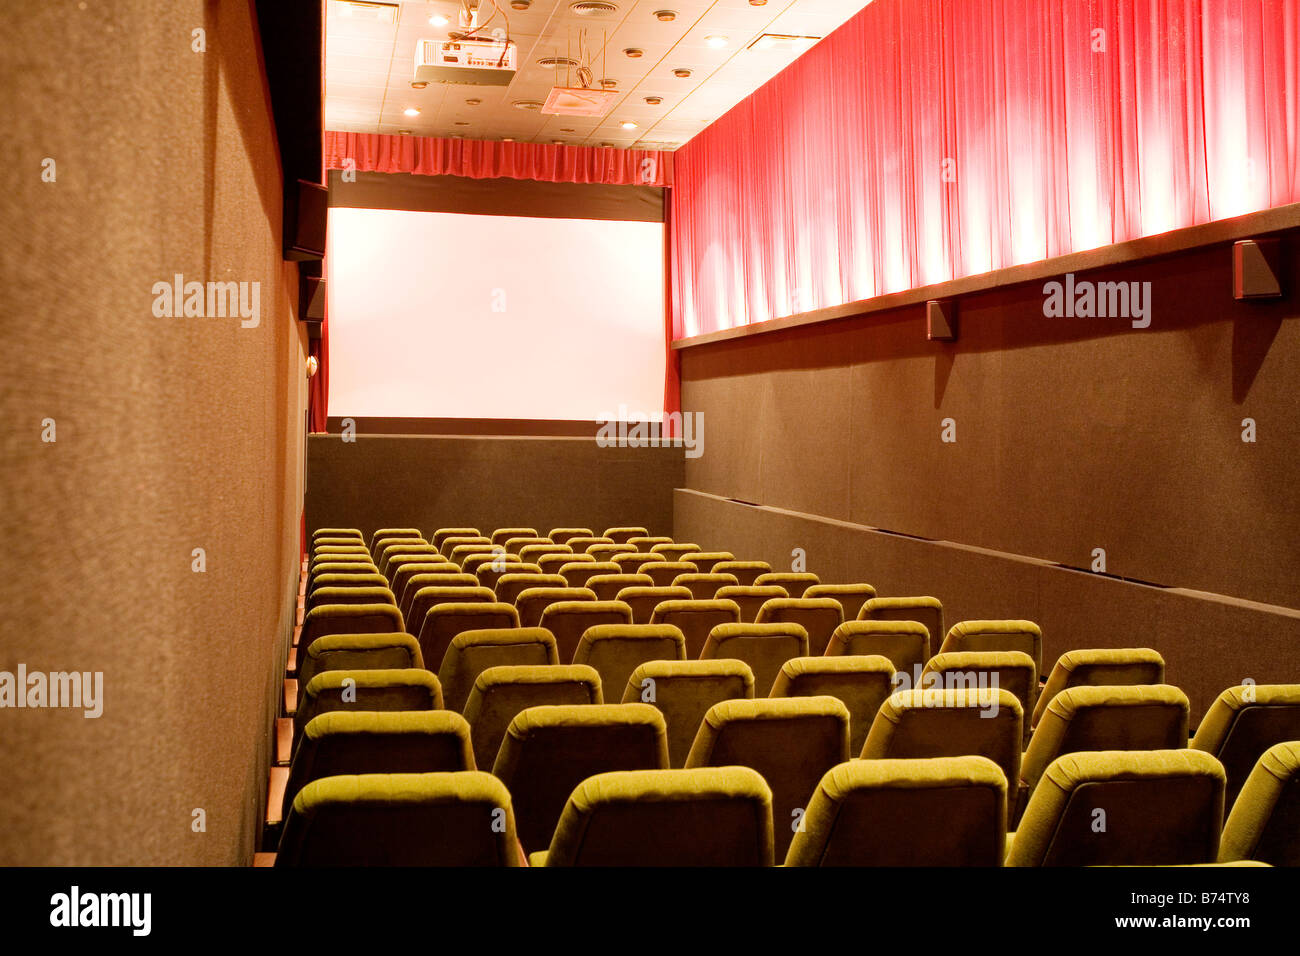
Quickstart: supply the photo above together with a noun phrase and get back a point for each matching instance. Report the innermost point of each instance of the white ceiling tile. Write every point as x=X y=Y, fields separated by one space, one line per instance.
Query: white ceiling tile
x=369 y=67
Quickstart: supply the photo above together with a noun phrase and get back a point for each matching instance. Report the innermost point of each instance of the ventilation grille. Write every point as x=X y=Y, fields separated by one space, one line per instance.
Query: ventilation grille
x=559 y=62
x=593 y=8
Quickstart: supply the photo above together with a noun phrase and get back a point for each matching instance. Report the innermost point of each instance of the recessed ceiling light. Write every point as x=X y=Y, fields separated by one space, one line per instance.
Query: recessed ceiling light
x=507 y=139
x=633 y=52
x=557 y=142
x=526 y=105
x=404 y=132
x=607 y=145
x=520 y=4
x=418 y=84
x=758 y=3
x=667 y=16
x=716 y=41
x=473 y=102
x=410 y=111
x=609 y=83
x=681 y=74
x=438 y=20
x=566 y=129
x=461 y=123
x=628 y=125
x=654 y=100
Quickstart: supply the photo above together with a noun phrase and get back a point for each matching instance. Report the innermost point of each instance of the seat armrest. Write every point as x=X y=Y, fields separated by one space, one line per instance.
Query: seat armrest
x=263 y=859
x=275 y=789
x=290 y=696
x=283 y=740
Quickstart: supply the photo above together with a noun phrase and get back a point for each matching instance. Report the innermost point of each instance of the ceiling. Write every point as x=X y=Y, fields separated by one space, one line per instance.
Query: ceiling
x=370 y=57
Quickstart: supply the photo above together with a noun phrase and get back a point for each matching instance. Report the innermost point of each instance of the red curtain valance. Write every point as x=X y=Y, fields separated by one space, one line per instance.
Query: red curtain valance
x=479 y=159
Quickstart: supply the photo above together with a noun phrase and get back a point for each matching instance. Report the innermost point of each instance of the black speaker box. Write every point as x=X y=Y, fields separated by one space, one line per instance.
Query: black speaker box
x=1257 y=269
x=311 y=303
x=306 y=207
x=941 y=320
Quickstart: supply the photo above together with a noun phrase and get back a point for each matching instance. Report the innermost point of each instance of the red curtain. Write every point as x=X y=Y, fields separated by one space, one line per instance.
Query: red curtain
x=931 y=139
x=477 y=159
x=318 y=388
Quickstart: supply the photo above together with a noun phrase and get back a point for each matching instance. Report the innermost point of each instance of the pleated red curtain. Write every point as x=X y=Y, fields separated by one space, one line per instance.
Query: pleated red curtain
x=927 y=140
x=480 y=159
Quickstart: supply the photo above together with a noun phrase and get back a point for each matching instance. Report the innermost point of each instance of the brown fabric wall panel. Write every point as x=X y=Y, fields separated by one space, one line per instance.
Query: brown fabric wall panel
x=734 y=424
x=429 y=482
x=1221 y=643
x=1072 y=434
x=805 y=411
x=1209 y=642
x=172 y=434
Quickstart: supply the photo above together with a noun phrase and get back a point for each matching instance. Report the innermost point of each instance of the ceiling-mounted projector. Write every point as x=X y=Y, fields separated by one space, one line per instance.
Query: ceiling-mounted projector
x=475 y=62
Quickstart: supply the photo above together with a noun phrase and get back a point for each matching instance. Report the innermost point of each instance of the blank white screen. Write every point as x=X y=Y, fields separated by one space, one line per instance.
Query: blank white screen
x=445 y=315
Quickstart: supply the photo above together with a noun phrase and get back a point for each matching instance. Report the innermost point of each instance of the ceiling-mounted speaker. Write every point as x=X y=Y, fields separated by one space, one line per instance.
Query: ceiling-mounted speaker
x=941 y=320
x=1257 y=269
x=306 y=209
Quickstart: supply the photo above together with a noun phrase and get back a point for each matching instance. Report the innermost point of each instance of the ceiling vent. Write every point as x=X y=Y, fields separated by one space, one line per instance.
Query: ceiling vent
x=366 y=10
x=574 y=101
x=559 y=62
x=593 y=8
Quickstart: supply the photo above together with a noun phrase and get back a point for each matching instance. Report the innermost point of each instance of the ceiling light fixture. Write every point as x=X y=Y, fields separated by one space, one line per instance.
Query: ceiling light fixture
x=410 y=111
x=716 y=41
x=473 y=102
x=609 y=82
x=654 y=100
x=520 y=4
x=784 y=42
x=418 y=84
x=633 y=53
x=438 y=20
x=666 y=16
x=681 y=74
x=628 y=125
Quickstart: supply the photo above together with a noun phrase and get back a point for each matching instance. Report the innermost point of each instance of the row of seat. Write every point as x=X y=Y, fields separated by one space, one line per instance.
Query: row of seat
x=623 y=649
x=1107 y=808
x=806 y=721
